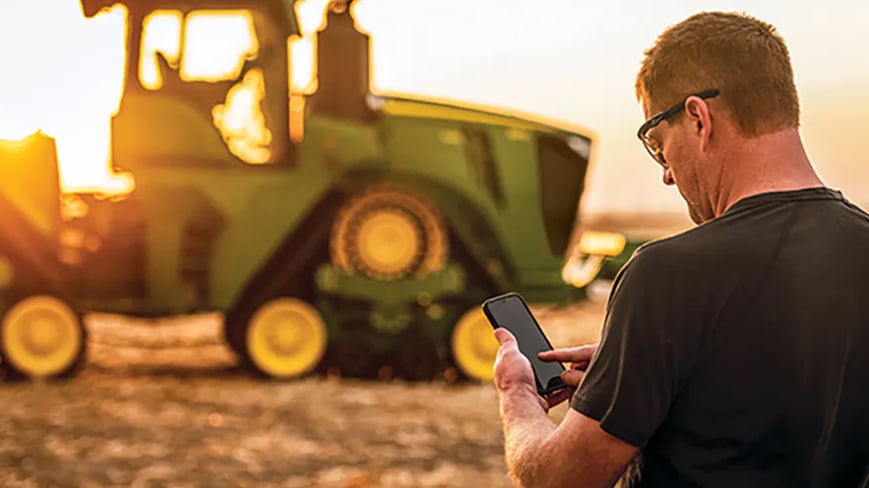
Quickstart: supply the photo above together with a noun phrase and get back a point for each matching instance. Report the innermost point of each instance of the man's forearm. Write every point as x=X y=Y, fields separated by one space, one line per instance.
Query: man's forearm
x=526 y=428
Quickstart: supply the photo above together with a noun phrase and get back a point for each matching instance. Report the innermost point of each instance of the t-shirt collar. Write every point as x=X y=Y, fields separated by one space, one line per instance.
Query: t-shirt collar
x=813 y=193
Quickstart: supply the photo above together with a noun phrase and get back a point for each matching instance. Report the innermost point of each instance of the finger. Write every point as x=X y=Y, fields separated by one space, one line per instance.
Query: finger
x=575 y=354
x=505 y=338
x=580 y=366
x=559 y=396
x=572 y=377
x=569 y=354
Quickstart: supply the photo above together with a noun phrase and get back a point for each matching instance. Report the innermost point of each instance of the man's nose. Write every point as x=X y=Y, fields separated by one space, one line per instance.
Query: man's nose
x=668 y=177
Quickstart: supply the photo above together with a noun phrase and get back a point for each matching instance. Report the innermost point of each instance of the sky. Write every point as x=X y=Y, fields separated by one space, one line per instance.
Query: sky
x=577 y=61
x=571 y=60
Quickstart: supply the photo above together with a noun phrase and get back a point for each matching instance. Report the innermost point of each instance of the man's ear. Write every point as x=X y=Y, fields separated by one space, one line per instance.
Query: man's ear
x=700 y=118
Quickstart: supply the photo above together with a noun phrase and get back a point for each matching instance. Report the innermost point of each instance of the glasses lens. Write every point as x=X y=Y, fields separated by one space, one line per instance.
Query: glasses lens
x=654 y=150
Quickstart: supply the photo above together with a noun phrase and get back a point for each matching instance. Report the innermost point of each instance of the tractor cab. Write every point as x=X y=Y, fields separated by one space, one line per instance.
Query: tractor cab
x=210 y=81
x=207 y=83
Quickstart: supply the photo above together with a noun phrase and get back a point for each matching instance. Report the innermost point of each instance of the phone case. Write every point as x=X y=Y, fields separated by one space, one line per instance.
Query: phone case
x=487 y=311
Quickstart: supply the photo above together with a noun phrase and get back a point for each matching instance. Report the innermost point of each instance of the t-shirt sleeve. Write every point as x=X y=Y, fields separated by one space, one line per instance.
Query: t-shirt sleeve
x=650 y=341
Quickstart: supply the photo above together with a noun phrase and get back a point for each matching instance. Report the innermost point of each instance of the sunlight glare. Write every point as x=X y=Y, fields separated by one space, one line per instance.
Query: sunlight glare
x=311 y=15
x=217 y=44
x=302 y=55
x=161 y=32
x=242 y=123
x=68 y=83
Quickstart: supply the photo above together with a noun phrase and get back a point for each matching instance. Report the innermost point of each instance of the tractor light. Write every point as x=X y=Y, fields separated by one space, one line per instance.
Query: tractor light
x=609 y=244
x=580 y=272
x=594 y=247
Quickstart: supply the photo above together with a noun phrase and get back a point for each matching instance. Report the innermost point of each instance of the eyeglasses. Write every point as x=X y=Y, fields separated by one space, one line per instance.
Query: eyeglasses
x=651 y=146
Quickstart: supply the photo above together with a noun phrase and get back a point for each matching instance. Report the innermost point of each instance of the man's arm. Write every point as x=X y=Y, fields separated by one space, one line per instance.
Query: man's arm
x=575 y=453
x=656 y=326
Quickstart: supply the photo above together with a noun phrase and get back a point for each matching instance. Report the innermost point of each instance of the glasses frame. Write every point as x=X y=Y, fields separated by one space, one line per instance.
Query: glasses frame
x=658 y=154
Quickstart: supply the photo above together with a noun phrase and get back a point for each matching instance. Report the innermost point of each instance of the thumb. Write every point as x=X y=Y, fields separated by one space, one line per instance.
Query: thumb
x=504 y=336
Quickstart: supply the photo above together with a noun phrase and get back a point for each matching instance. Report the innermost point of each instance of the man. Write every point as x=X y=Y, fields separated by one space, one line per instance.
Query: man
x=737 y=353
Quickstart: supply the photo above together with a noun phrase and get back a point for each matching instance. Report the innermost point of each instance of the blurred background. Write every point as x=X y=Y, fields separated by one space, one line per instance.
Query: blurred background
x=571 y=61
x=175 y=315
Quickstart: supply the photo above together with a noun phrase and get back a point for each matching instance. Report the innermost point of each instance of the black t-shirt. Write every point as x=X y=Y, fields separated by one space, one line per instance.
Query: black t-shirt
x=737 y=354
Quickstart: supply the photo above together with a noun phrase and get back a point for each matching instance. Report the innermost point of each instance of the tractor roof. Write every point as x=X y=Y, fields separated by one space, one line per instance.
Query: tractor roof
x=281 y=11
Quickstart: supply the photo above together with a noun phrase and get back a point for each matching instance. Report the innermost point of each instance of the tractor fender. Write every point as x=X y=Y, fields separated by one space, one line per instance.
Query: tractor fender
x=30 y=205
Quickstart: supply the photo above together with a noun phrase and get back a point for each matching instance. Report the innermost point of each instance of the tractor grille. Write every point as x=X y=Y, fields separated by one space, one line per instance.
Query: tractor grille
x=478 y=149
x=105 y=250
x=197 y=245
x=562 y=181
x=29 y=253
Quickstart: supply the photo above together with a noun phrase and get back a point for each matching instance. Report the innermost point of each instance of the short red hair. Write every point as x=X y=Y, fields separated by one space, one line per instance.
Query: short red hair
x=743 y=57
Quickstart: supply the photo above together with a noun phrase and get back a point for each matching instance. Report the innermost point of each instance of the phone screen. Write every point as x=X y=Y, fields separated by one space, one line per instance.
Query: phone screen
x=511 y=313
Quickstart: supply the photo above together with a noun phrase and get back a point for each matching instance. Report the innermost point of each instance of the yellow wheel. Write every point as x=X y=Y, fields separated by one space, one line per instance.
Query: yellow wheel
x=389 y=234
x=389 y=241
x=474 y=345
x=42 y=337
x=286 y=338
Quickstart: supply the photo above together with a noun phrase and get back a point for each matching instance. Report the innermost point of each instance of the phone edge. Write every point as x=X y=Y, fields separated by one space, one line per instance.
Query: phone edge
x=492 y=322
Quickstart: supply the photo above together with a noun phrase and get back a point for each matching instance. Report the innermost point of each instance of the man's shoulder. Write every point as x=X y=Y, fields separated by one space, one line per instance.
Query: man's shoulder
x=699 y=243
x=716 y=238
x=684 y=263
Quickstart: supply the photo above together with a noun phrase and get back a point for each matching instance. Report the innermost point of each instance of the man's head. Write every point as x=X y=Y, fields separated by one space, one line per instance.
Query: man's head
x=741 y=69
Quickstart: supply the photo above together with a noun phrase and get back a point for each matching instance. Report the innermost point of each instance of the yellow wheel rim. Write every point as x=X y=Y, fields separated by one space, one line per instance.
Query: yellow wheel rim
x=286 y=337
x=388 y=241
x=474 y=345
x=387 y=233
x=42 y=336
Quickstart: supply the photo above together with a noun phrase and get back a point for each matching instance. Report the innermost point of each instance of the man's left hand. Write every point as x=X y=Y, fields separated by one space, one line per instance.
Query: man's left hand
x=513 y=372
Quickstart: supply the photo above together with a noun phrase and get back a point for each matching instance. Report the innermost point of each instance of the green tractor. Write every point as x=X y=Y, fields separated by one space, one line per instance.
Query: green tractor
x=336 y=230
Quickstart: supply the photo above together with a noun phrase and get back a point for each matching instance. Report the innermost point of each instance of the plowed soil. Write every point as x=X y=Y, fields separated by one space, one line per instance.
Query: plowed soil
x=163 y=404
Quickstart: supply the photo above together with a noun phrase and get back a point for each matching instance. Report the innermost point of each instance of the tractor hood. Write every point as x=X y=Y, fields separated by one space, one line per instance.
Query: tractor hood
x=555 y=154
x=478 y=114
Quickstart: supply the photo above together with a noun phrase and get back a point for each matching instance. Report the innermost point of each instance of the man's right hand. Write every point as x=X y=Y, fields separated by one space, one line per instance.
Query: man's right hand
x=578 y=357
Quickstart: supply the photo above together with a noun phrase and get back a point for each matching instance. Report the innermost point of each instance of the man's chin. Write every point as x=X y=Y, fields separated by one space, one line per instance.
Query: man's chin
x=695 y=215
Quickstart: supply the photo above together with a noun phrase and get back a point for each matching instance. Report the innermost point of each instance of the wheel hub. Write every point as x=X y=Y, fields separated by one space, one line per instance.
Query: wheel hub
x=286 y=337
x=42 y=336
x=285 y=334
x=389 y=242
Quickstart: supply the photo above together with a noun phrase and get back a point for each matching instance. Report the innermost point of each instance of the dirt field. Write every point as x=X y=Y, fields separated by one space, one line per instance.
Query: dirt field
x=176 y=412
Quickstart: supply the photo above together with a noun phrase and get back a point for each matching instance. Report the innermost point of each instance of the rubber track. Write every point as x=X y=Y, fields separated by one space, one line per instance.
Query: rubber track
x=286 y=272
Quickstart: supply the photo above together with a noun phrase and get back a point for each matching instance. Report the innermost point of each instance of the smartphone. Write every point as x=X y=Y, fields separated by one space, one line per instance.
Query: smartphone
x=512 y=313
